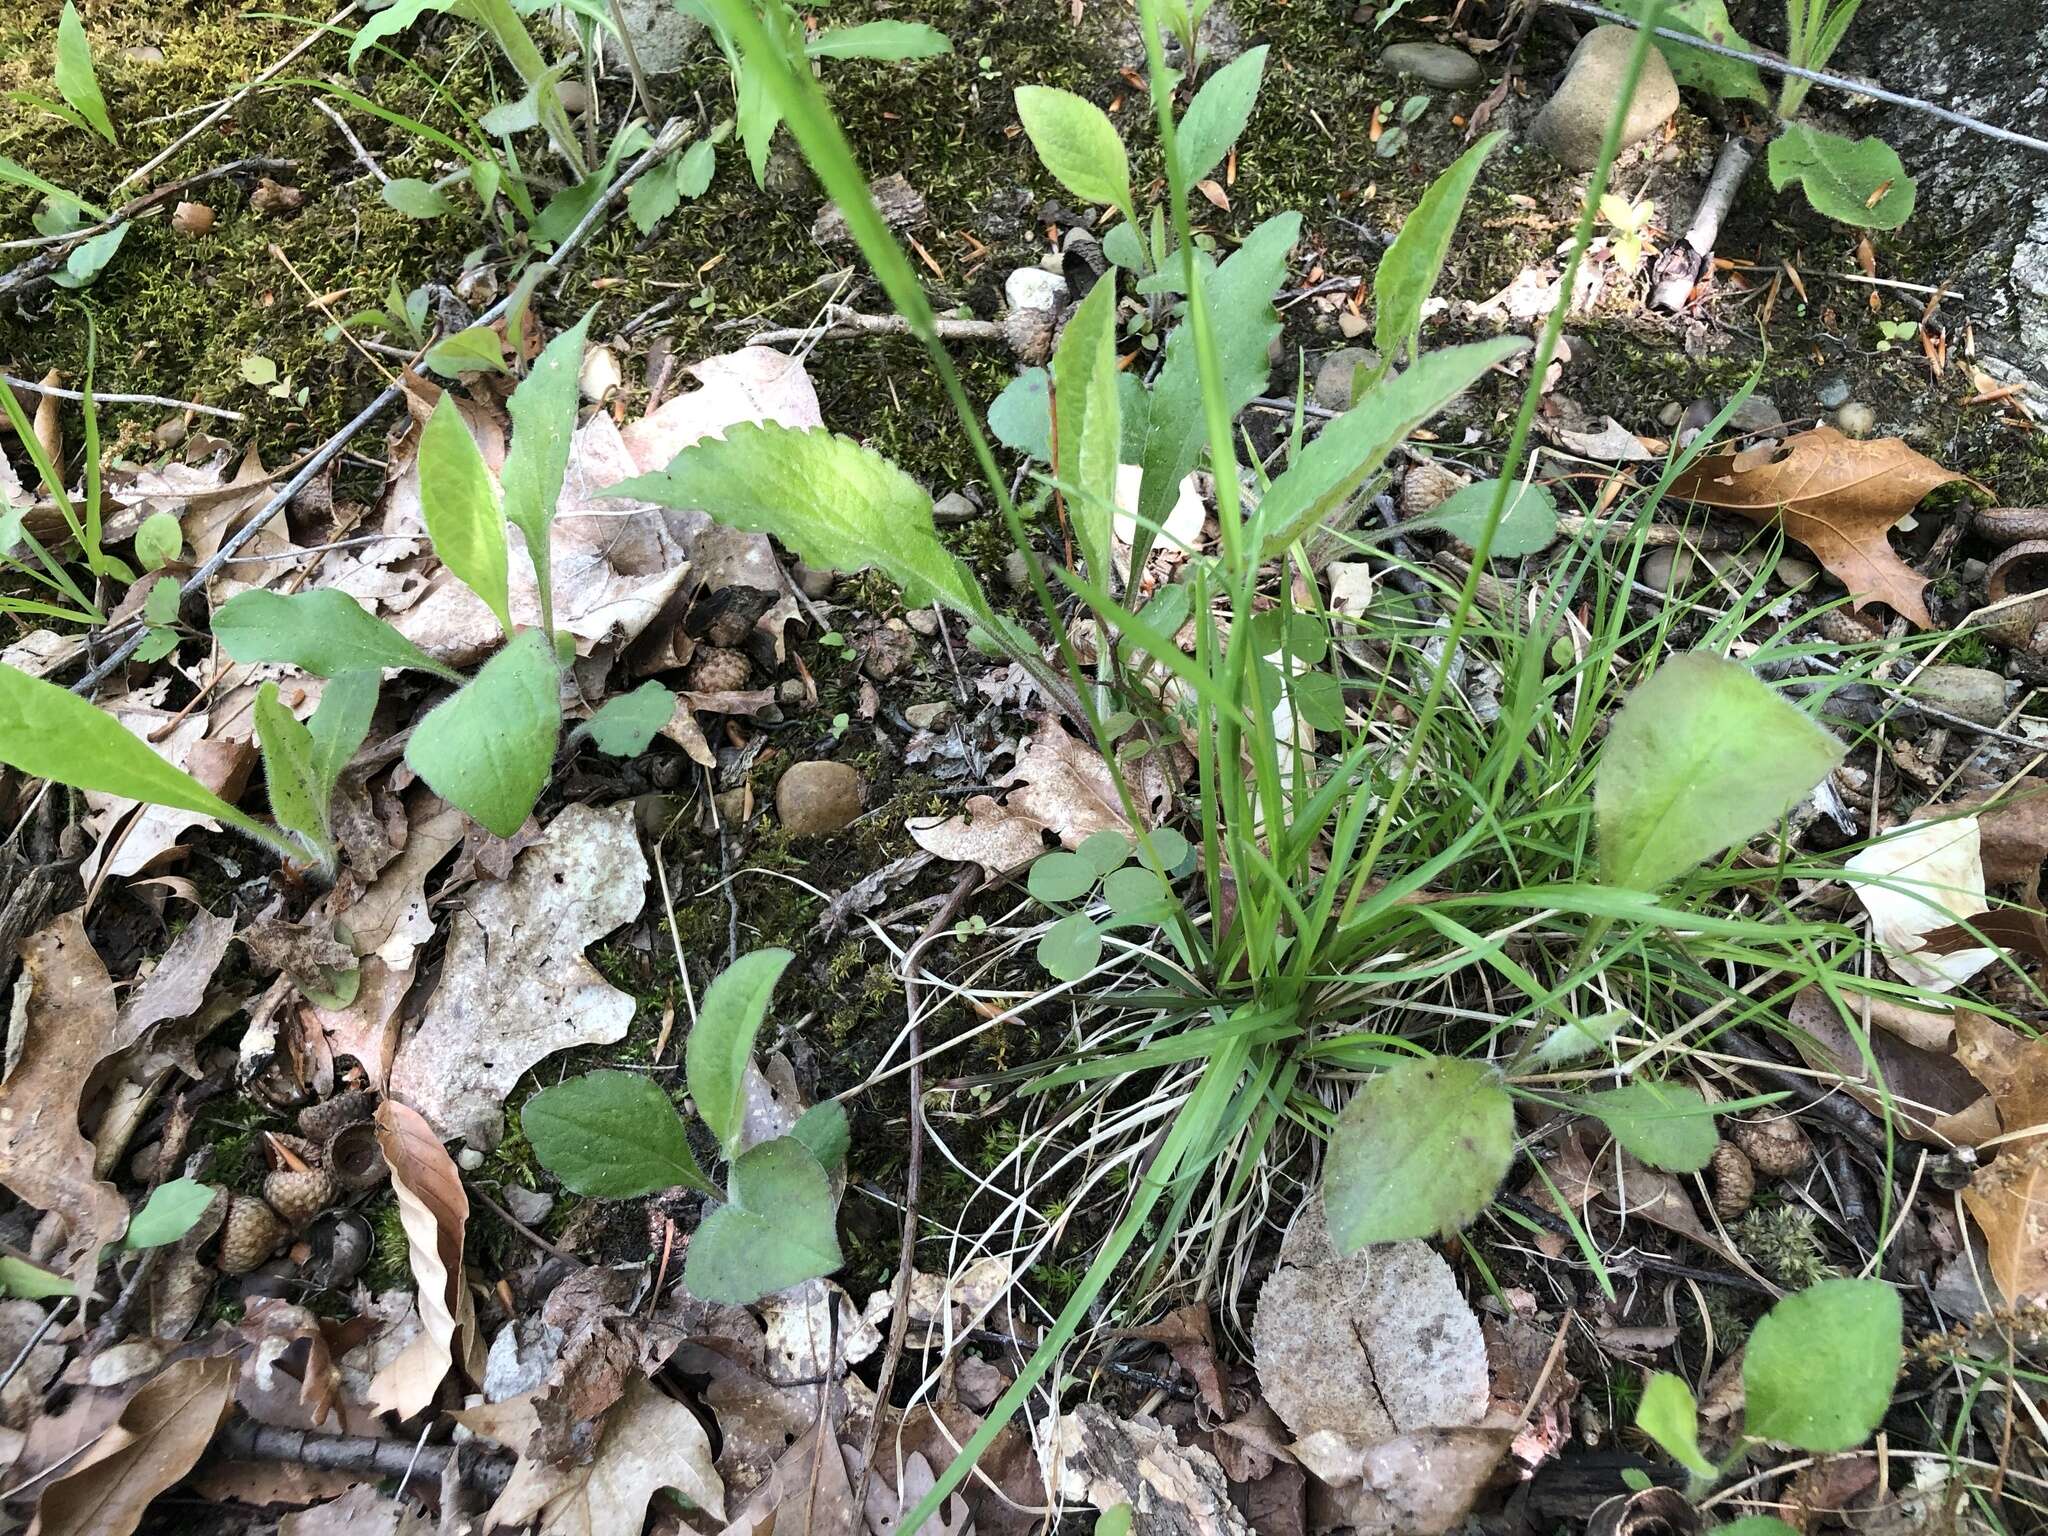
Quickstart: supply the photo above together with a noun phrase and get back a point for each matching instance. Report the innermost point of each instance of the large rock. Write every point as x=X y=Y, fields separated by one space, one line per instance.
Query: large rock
x=664 y=39
x=1573 y=122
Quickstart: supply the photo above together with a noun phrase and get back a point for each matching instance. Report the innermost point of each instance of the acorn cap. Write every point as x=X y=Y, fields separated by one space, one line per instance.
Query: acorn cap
x=1427 y=486
x=718 y=669
x=248 y=1235
x=298 y=1197
x=320 y=1121
x=1778 y=1148
x=355 y=1159
x=1734 y=1181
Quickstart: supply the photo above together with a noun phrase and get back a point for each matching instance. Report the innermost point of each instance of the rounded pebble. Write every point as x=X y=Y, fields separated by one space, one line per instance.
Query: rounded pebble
x=1856 y=419
x=1435 y=64
x=817 y=799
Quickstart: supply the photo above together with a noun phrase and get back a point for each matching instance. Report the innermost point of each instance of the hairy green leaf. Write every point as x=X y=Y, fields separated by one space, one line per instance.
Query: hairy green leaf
x=1701 y=757
x=479 y=349
x=543 y=410
x=168 y=1214
x=824 y=1130
x=1088 y=439
x=1695 y=68
x=487 y=748
x=288 y=772
x=1860 y=182
x=1077 y=142
x=460 y=507
x=76 y=82
x=1218 y=113
x=325 y=632
x=776 y=1231
x=1669 y=1416
x=340 y=724
x=391 y=21
x=840 y=506
x=1667 y=1125
x=721 y=1043
x=612 y=1135
x=1528 y=523
x=623 y=726
x=1820 y=1365
x=414 y=198
x=1408 y=271
x=158 y=541
x=879 y=40
x=1417 y=1152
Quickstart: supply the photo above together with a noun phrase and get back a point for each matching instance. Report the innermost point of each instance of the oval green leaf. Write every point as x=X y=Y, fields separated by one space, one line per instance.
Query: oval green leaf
x=325 y=632
x=776 y=1232
x=1077 y=142
x=1528 y=523
x=1820 y=1365
x=1060 y=877
x=721 y=1043
x=1667 y=1125
x=614 y=1135
x=460 y=507
x=1417 y=1152
x=487 y=747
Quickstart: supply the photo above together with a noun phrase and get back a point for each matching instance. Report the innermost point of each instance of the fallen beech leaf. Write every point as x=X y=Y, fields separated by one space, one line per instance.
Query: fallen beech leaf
x=66 y=1004
x=434 y=1210
x=1932 y=874
x=1059 y=785
x=1836 y=495
x=515 y=986
x=159 y=1437
x=649 y=1442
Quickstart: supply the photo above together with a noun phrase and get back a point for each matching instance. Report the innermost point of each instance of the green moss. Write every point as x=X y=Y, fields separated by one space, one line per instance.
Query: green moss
x=390 y=1266
x=1780 y=1240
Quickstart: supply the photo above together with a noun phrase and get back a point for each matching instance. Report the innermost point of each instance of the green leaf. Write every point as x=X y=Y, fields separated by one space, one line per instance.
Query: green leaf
x=656 y=195
x=1088 y=445
x=838 y=505
x=775 y=1232
x=31 y=1282
x=89 y=258
x=1240 y=294
x=1852 y=181
x=1669 y=1416
x=543 y=410
x=1701 y=757
x=478 y=349
x=76 y=82
x=288 y=772
x=158 y=541
x=1106 y=850
x=160 y=603
x=1138 y=895
x=50 y=733
x=613 y=1135
x=341 y=723
x=1331 y=469
x=824 y=1130
x=1408 y=271
x=1417 y=1152
x=1114 y=1521
x=460 y=507
x=325 y=632
x=487 y=748
x=1667 y=1125
x=721 y=1043
x=1077 y=142
x=1071 y=947
x=1528 y=523
x=625 y=725
x=56 y=109
x=168 y=1214
x=1218 y=113
x=22 y=176
x=879 y=40
x=1695 y=68
x=1021 y=416
x=1754 y=1525
x=1061 y=877
x=1575 y=1038
x=1820 y=1365
x=1164 y=849
x=414 y=198
x=391 y=21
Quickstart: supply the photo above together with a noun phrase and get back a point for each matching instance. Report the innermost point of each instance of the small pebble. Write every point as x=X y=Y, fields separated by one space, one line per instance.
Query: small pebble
x=1971 y=692
x=1016 y=571
x=1034 y=288
x=790 y=691
x=1334 y=377
x=1449 y=69
x=574 y=97
x=147 y=53
x=1831 y=392
x=1672 y=414
x=1757 y=416
x=923 y=620
x=530 y=1206
x=812 y=582
x=1353 y=326
x=170 y=432
x=1573 y=123
x=817 y=799
x=470 y=1159
x=954 y=507
x=925 y=716
x=1856 y=419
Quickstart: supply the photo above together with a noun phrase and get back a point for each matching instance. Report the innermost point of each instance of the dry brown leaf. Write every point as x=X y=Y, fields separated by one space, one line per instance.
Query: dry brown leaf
x=65 y=1003
x=434 y=1211
x=1836 y=495
x=515 y=986
x=887 y=1504
x=2013 y=830
x=649 y=1442
x=1927 y=1088
x=1059 y=785
x=362 y=1511
x=177 y=986
x=1188 y=1337
x=2009 y=1198
x=158 y=1438
x=2013 y=1070
x=390 y=919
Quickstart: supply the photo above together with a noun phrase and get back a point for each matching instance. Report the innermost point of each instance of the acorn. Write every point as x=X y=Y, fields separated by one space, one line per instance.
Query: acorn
x=715 y=669
x=192 y=219
x=1030 y=333
x=319 y=1122
x=297 y=1197
x=1734 y=1180
x=1778 y=1148
x=248 y=1235
x=1427 y=486
x=355 y=1159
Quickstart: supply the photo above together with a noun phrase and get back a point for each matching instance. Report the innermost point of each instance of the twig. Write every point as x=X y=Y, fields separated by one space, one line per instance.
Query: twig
x=1771 y=64
x=36 y=268
x=906 y=1253
x=243 y=1439
x=364 y=158
x=1680 y=267
x=101 y=398
x=632 y=56
x=521 y=1227
x=49 y=1321
x=1656 y=1262
x=842 y=322
x=670 y=136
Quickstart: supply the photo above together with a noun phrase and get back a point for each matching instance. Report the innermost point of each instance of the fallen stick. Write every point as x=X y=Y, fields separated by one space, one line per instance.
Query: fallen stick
x=243 y=1439
x=843 y=322
x=1681 y=266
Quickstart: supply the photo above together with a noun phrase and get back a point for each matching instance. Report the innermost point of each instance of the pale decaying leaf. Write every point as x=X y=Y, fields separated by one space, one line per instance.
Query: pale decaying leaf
x=1367 y=1346
x=362 y=1511
x=134 y=836
x=160 y=1435
x=2009 y=1196
x=515 y=986
x=1933 y=876
x=1059 y=786
x=63 y=1024
x=176 y=987
x=1416 y=1484
x=887 y=1505
x=1172 y=1490
x=1836 y=495
x=434 y=1211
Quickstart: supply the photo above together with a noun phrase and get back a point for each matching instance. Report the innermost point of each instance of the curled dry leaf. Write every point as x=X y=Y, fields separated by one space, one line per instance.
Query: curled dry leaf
x=1923 y=877
x=177 y=986
x=2007 y=1195
x=434 y=1210
x=158 y=1438
x=515 y=986
x=65 y=1003
x=1059 y=785
x=1836 y=495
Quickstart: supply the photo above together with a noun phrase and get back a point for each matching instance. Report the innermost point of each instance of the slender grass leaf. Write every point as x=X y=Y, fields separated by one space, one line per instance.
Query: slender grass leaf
x=840 y=506
x=1669 y=1416
x=460 y=506
x=721 y=1043
x=623 y=726
x=1528 y=523
x=777 y=1230
x=1088 y=436
x=543 y=410
x=1349 y=449
x=341 y=723
x=1408 y=271
x=288 y=772
x=22 y=176
x=612 y=1135
x=1217 y=115
x=1820 y=1365
x=1667 y=1125
x=168 y=1214
x=487 y=748
x=880 y=40
x=76 y=81
x=1077 y=142
x=1418 y=1152
x=1701 y=756
x=325 y=632
x=1859 y=182
x=56 y=109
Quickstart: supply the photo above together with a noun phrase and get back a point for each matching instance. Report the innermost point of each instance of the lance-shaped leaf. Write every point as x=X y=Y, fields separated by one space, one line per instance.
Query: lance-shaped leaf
x=288 y=772
x=1077 y=142
x=721 y=1043
x=1408 y=271
x=460 y=507
x=543 y=410
x=325 y=632
x=487 y=748
x=340 y=724
x=1088 y=427
x=76 y=81
x=1218 y=113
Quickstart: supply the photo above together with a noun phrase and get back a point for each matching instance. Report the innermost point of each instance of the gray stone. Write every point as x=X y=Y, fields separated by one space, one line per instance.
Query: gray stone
x=1971 y=692
x=1333 y=378
x=954 y=507
x=925 y=716
x=1034 y=288
x=1016 y=571
x=1573 y=122
x=529 y=1205
x=1856 y=419
x=1831 y=392
x=817 y=799
x=814 y=583
x=1449 y=69
x=1672 y=414
x=663 y=38
x=1756 y=417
